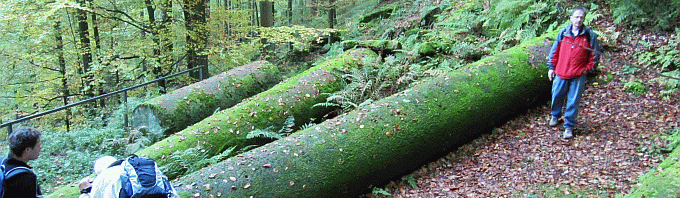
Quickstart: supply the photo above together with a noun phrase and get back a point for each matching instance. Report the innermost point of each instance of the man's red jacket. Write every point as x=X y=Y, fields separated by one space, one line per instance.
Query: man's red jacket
x=571 y=56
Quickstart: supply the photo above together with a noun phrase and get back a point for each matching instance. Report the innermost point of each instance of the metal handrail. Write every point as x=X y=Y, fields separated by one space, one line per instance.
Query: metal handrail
x=124 y=91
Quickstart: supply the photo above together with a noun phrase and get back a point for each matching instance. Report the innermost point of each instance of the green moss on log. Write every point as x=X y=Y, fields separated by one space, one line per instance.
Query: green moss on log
x=350 y=44
x=384 y=12
x=376 y=45
x=293 y=97
x=429 y=48
x=183 y=107
x=341 y=157
x=663 y=181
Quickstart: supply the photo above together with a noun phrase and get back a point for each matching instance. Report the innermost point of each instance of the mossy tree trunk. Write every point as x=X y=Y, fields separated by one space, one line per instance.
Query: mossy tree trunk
x=293 y=97
x=175 y=111
x=343 y=156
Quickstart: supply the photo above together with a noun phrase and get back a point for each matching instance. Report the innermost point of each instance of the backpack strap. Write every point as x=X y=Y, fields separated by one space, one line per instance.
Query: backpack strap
x=17 y=170
x=14 y=171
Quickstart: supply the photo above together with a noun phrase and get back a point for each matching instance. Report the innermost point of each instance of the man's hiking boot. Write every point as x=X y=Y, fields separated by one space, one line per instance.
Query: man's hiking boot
x=567 y=134
x=553 y=121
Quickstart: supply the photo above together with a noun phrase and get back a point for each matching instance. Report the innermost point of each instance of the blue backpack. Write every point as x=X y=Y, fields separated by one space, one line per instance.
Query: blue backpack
x=142 y=178
x=6 y=174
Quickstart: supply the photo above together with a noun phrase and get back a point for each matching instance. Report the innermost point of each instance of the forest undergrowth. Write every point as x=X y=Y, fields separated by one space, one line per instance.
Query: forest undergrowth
x=622 y=134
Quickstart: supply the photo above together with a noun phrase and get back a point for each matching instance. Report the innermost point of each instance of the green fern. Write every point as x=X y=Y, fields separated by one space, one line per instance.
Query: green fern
x=665 y=57
x=660 y=14
x=670 y=80
x=380 y=191
x=194 y=159
x=270 y=133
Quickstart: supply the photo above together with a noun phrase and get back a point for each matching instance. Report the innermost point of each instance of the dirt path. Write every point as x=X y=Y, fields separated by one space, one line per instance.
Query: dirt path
x=525 y=157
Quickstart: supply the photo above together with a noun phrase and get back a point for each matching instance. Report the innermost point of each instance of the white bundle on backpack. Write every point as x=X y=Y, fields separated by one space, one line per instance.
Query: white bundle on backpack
x=142 y=178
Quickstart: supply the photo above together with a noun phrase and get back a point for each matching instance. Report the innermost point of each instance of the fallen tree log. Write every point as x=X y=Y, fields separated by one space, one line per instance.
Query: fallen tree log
x=175 y=111
x=293 y=97
x=341 y=157
x=376 y=45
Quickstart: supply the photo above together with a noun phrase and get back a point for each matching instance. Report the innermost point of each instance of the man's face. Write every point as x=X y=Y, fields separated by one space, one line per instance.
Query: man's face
x=577 y=18
x=34 y=152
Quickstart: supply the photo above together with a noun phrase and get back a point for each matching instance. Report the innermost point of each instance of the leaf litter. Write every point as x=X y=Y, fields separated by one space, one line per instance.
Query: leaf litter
x=608 y=152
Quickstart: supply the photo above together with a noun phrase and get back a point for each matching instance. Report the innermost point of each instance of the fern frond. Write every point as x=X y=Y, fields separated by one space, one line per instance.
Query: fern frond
x=223 y=155
x=264 y=133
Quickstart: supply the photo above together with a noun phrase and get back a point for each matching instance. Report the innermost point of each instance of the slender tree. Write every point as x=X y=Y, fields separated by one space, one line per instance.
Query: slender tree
x=62 y=70
x=255 y=19
x=97 y=53
x=290 y=12
x=331 y=18
x=197 y=37
x=84 y=50
x=158 y=66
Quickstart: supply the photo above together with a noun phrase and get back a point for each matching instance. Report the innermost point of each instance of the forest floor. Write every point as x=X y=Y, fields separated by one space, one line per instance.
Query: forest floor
x=617 y=140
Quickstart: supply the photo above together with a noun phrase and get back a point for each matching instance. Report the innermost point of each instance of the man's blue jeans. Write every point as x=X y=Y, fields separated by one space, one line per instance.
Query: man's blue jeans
x=570 y=90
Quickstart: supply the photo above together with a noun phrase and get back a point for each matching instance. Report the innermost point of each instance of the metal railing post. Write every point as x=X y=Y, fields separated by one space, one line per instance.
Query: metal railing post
x=126 y=109
x=200 y=78
x=9 y=130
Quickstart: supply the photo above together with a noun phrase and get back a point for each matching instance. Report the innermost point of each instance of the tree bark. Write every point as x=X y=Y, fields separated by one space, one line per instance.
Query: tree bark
x=331 y=19
x=331 y=14
x=166 y=57
x=290 y=12
x=159 y=68
x=267 y=20
x=343 y=156
x=85 y=50
x=97 y=50
x=267 y=13
x=62 y=70
x=255 y=19
x=197 y=36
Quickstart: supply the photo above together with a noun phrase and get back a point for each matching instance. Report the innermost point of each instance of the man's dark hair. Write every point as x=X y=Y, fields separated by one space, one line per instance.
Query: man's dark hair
x=21 y=139
x=585 y=10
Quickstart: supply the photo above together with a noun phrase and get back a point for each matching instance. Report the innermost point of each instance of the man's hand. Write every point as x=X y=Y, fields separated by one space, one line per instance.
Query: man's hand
x=551 y=74
x=85 y=183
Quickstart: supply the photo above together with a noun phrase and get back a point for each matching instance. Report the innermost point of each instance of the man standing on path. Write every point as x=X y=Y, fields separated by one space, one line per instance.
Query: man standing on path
x=574 y=52
x=24 y=146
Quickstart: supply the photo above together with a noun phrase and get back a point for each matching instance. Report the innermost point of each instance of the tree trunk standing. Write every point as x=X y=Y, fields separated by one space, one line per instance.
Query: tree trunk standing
x=158 y=68
x=98 y=47
x=166 y=57
x=255 y=19
x=267 y=20
x=62 y=69
x=303 y=8
x=331 y=19
x=197 y=38
x=267 y=13
x=84 y=49
x=226 y=5
x=290 y=12
x=290 y=20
